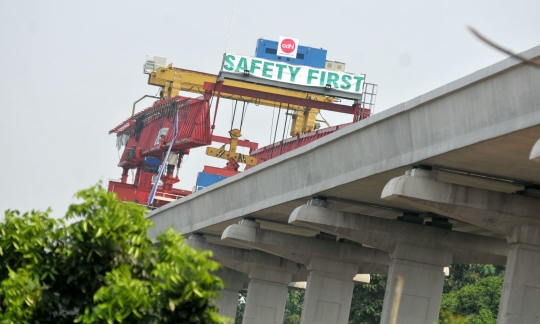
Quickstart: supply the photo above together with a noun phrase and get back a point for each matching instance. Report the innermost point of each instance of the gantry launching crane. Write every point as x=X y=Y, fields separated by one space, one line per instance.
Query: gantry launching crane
x=173 y=80
x=156 y=151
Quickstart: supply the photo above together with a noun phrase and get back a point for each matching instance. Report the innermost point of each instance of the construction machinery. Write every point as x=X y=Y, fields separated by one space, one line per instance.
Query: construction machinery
x=157 y=138
x=231 y=155
x=173 y=80
x=148 y=135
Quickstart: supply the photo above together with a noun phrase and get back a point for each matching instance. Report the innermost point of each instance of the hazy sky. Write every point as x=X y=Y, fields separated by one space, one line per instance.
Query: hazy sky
x=71 y=70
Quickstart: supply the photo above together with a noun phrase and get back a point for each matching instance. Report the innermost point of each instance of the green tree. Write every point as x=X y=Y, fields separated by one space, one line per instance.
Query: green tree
x=462 y=275
x=478 y=302
x=293 y=307
x=482 y=283
x=471 y=295
x=449 y=318
x=97 y=265
x=367 y=301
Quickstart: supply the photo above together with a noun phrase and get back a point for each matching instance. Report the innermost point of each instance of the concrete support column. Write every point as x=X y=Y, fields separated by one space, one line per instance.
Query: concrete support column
x=329 y=292
x=266 y=297
x=228 y=303
x=228 y=300
x=422 y=270
x=520 y=300
x=268 y=277
x=515 y=216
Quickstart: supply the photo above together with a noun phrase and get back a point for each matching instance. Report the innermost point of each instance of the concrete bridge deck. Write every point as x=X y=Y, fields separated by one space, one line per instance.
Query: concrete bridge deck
x=476 y=132
x=484 y=124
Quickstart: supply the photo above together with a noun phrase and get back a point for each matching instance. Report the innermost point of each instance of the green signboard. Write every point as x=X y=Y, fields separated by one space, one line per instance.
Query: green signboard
x=294 y=74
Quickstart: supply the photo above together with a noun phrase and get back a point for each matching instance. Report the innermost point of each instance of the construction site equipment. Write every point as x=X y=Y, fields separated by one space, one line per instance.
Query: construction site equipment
x=207 y=179
x=211 y=175
x=276 y=149
x=148 y=134
x=139 y=100
x=173 y=80
x=357 y=109
x=231 y=155
x=157 y=138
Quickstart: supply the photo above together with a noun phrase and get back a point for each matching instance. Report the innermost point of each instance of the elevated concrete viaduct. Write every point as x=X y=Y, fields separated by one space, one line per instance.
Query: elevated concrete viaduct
x=450 y=176
x=418 y=254
x=332 y=267
x=517 y=217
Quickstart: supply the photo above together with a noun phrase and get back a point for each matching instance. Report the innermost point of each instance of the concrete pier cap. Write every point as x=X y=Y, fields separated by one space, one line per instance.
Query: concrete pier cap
x=420 y=254
x=515 y=216
x=244 y=261
x=304 y=249
x=385 y=234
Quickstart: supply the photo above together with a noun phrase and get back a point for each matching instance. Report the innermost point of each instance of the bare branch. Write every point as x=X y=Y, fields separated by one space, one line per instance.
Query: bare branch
x=504 y=50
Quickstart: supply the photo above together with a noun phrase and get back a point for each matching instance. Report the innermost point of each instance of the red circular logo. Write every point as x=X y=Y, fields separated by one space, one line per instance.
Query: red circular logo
x=288 y=45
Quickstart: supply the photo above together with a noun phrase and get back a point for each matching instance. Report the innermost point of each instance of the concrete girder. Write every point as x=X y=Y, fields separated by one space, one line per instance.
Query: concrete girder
x=303 y=249
x=515 y=216
x=243 y=260
x=233 y=279
x=477 y=122
x=386 y=234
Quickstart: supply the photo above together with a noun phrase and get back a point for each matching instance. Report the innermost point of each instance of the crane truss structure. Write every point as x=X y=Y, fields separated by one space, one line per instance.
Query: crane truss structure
x=148 y=134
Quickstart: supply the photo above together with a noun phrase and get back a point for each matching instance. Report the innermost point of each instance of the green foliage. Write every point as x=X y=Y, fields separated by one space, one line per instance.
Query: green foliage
x=123 y=298
x=293 y=307
x=478 y=302
x=27 y=242
x=449 y=318
x=22 y=294
x=366 y=306
x=101 y=268
x=468 y=274
x=472 y=294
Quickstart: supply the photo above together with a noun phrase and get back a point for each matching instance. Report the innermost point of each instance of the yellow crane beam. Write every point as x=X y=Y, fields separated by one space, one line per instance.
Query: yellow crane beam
x=173 y=80
x=222 y=153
